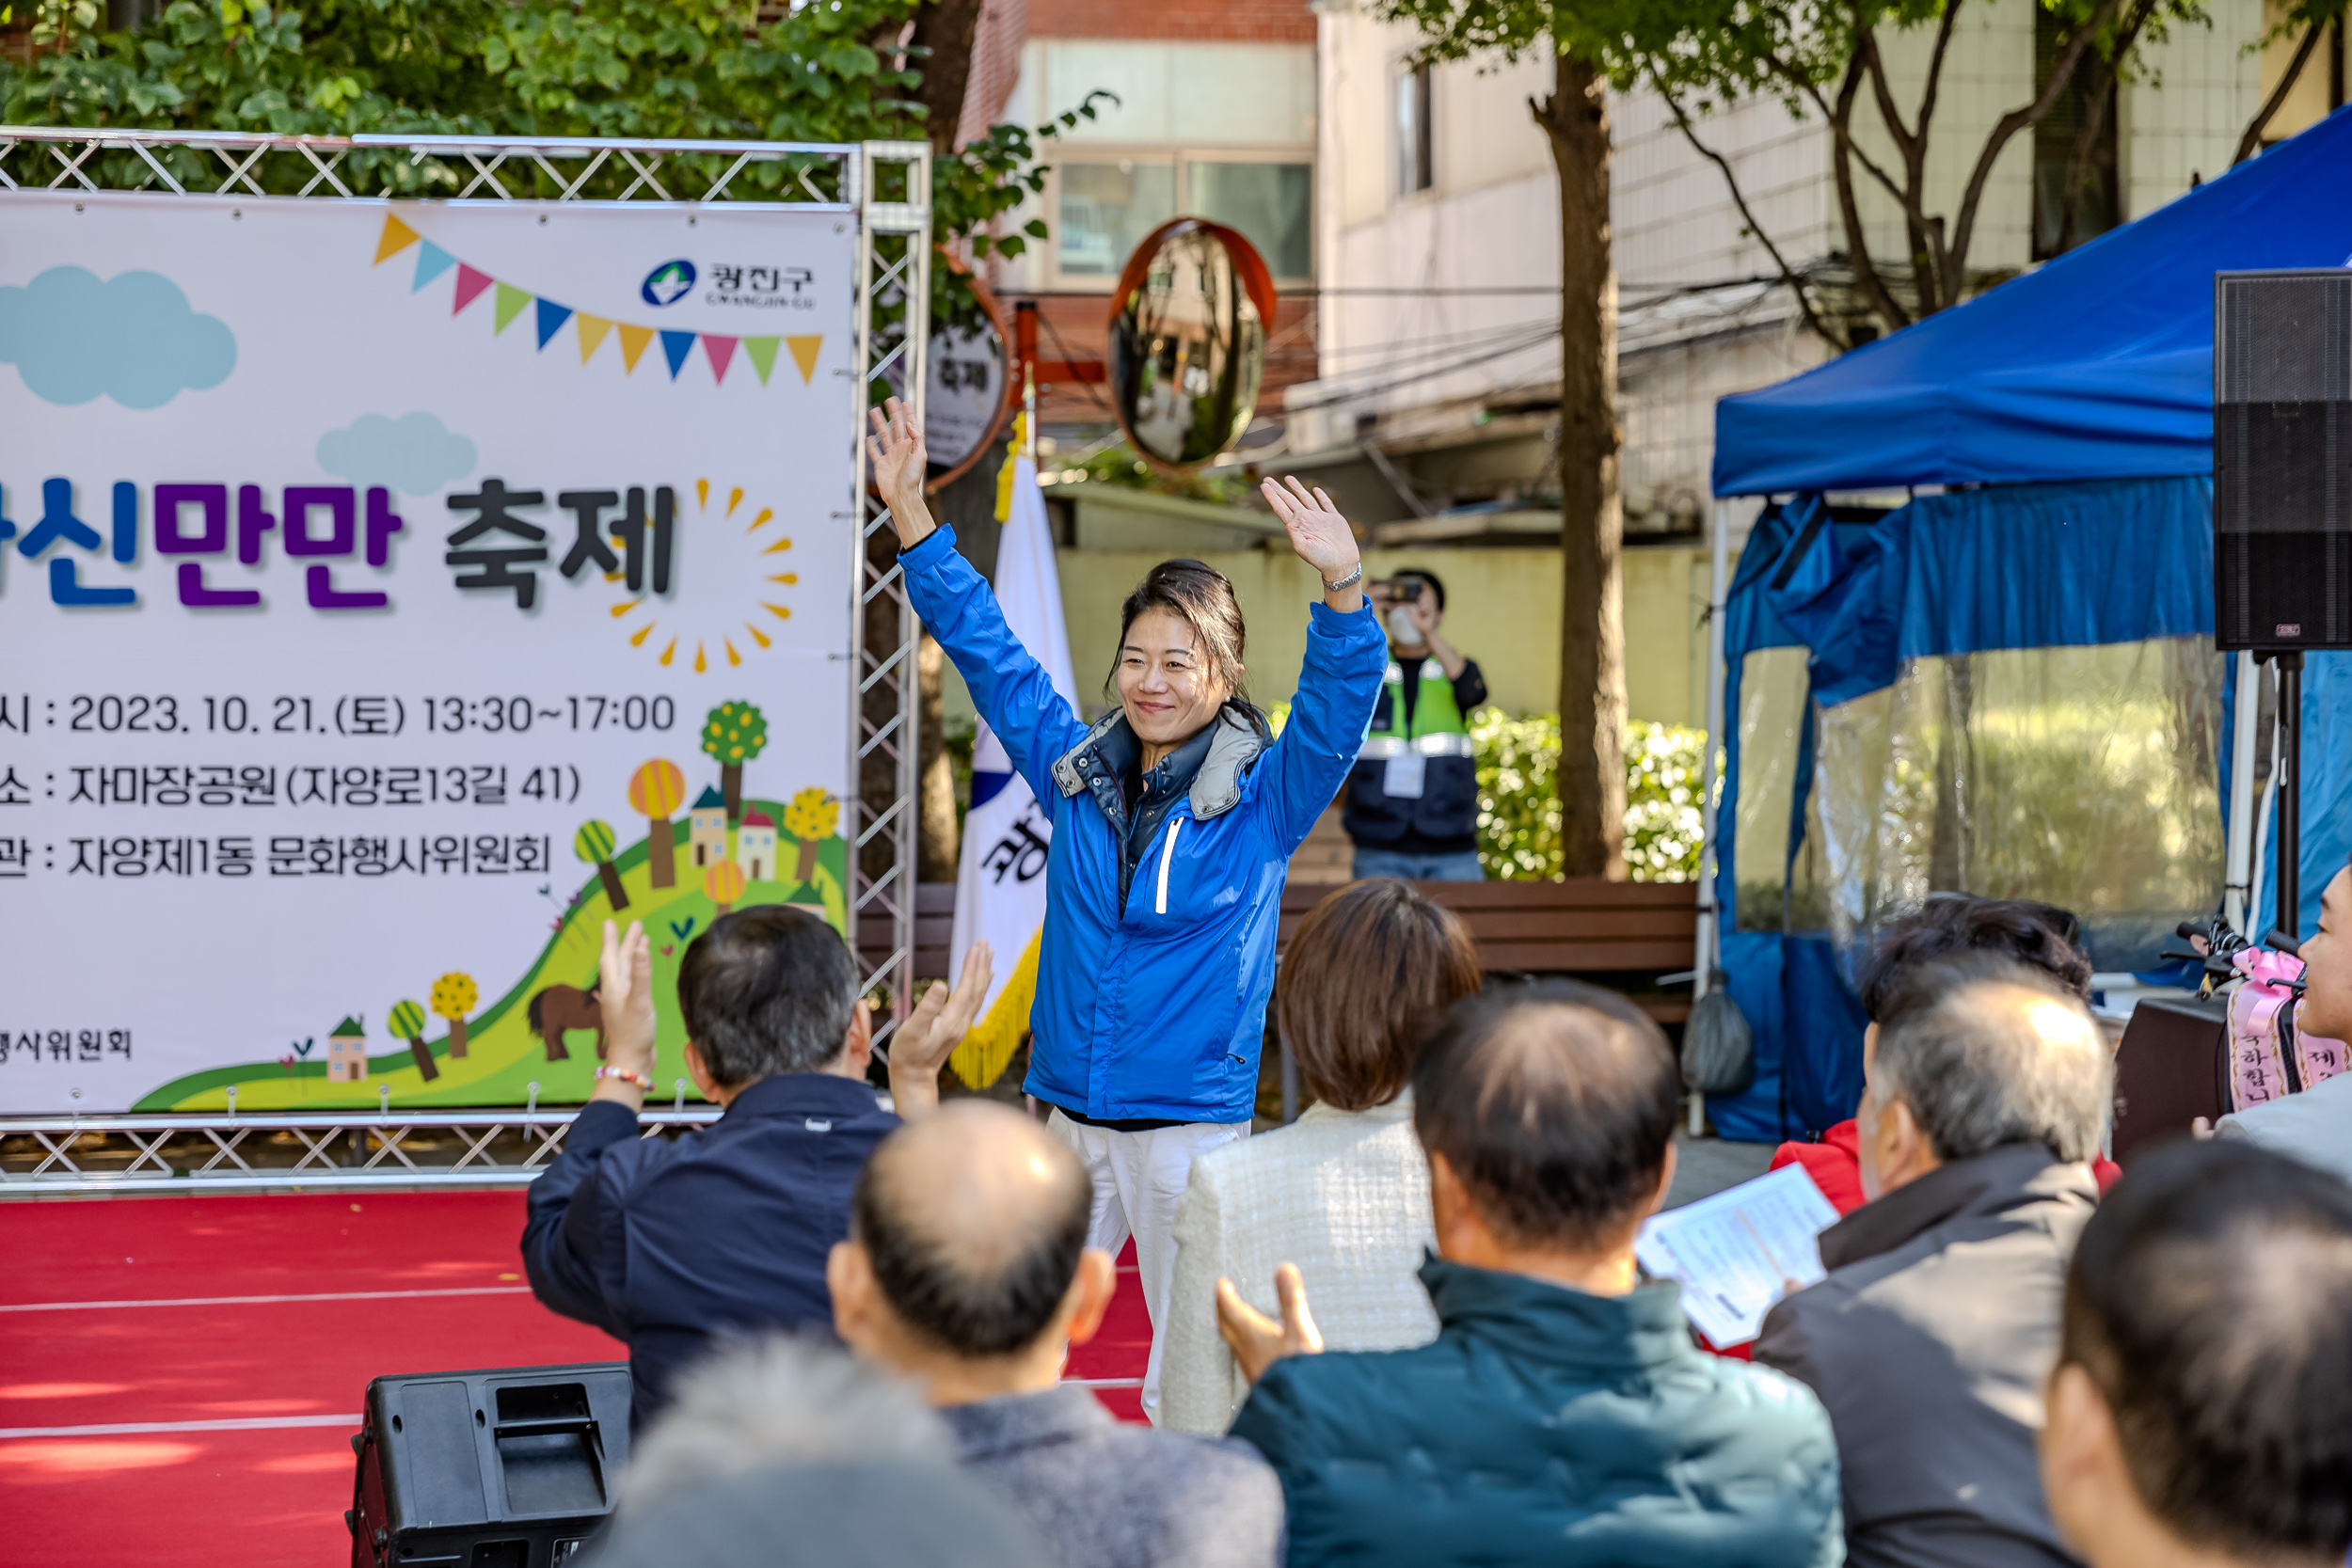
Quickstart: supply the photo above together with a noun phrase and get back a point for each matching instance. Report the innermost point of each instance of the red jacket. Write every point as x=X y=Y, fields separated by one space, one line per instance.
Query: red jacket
x=1835 y=1165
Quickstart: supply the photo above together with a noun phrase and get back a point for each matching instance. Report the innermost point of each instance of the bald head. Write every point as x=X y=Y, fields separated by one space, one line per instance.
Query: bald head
x=1985 y=1052
x=973 y=1220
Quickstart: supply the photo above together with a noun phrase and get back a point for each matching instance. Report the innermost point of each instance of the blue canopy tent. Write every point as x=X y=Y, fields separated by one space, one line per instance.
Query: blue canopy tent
x=2008 y=687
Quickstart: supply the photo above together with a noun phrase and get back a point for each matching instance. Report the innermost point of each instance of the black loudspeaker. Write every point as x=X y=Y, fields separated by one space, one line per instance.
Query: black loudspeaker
x=511 y=1468
x=2283 y=459
x=2173 y=1067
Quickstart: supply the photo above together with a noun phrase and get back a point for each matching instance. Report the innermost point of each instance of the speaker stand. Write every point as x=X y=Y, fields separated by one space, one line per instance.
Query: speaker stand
x=2287 y=903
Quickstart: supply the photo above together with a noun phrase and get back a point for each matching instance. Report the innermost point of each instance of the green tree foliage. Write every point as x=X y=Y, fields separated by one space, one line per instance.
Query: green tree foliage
x=1518 y=799
x=677 y=69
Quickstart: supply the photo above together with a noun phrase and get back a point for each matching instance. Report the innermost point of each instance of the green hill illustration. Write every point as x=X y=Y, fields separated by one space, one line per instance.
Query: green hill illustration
x=545 y=1028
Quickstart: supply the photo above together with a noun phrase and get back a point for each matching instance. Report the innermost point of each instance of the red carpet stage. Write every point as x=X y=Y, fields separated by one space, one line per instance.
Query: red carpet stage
x=182 y=1375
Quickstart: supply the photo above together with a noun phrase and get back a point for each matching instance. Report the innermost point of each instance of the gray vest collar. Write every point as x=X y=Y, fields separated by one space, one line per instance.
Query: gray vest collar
x=1215 y=789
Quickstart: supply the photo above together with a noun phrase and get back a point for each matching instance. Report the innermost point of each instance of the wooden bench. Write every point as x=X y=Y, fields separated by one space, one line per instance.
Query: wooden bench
x=1621 y=934
x=1624 y=934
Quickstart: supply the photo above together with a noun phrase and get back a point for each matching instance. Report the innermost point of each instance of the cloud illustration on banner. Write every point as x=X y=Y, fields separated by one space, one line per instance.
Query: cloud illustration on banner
x=131 y=338
x=415 y=454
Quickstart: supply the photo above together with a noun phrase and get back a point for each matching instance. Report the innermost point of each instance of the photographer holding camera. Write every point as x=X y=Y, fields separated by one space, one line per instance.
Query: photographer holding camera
x=1411 y=806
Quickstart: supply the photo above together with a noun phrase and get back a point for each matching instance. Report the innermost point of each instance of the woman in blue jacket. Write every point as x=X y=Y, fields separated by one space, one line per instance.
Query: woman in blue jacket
x=1174 y=819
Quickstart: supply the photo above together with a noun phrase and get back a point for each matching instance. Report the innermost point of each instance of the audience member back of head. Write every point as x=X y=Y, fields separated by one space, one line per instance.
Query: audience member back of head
x=966 y=1268
x=1562 y=1415
x=2199 y=1412
x=1985 y=1089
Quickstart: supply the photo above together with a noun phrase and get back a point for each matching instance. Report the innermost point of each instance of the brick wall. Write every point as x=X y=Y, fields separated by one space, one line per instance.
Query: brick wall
x=1222 y=21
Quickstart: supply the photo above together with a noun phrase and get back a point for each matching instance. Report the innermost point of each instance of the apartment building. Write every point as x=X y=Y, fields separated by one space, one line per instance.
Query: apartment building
x=1438 y=264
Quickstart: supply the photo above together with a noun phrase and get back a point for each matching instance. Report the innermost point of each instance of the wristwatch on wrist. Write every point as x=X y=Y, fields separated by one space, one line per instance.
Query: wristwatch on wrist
x=1348 y=581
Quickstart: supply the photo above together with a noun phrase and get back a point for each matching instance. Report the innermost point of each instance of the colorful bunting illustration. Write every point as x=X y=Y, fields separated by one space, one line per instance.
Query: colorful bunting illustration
x=719 y=349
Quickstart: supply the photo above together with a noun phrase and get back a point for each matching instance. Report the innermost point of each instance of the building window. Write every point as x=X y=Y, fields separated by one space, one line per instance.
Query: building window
x=1267 y=202
x=1106 y=207
x=1106 y=210
x=1416 y=169
x=2055 y=141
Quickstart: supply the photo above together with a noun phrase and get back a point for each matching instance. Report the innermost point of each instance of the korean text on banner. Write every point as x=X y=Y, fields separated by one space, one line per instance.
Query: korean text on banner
x=379 y=615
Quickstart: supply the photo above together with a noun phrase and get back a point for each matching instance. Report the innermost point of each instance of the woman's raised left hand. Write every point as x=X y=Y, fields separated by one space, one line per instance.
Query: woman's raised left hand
x=1318 y=533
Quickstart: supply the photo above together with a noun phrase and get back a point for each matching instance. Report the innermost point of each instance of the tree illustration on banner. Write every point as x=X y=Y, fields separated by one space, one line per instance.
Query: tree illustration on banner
x=454 y=996
x=733 y=734
x=724 y=882
x=655 y=790
x=811 y=818
x=407 y=1022
x=593 y=844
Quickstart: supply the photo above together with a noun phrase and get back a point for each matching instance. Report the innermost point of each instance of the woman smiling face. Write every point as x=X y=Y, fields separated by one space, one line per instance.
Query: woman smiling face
x=1165 y=683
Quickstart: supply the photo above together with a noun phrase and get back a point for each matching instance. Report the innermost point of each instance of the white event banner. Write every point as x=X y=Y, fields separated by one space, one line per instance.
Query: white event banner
x=389 y=593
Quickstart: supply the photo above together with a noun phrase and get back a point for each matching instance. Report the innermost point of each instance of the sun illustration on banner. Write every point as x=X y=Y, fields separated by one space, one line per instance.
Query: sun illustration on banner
x=744 y=580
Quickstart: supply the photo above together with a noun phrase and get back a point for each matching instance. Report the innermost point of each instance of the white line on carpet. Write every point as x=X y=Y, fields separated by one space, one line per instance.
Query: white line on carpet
x=1103 y=1382
x=256 y=1301
x=244 y=1424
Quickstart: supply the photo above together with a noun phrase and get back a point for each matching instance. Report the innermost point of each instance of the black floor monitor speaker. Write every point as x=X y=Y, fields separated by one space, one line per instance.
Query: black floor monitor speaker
x=2283 y=459
x=2173 y=1067
x=508 y=1468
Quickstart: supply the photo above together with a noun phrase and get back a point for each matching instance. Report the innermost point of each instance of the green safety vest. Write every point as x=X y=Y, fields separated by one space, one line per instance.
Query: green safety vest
x=1438 y=728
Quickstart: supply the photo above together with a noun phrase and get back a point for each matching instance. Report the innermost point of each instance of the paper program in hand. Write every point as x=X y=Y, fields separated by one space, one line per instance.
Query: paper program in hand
x=1740 y=1251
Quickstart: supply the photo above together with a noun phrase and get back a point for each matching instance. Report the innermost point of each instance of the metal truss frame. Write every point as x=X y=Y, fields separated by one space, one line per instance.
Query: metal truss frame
x=886 y=186
x=329 y=1152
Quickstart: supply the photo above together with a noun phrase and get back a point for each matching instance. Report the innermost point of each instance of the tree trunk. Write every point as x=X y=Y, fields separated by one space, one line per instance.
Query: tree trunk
x=425 y=1064
x=731 y=785
x=457 y=1039
x=1592 y=523
x=935 y=774
x=946 y=28
x=806 y=869
x=661 y=852
x=614 y=893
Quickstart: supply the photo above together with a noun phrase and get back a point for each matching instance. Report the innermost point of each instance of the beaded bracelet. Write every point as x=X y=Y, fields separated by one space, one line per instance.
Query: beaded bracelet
x=627 y=1076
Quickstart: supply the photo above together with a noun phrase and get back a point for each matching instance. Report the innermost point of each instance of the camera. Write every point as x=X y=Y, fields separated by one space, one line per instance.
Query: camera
x=1404 y=590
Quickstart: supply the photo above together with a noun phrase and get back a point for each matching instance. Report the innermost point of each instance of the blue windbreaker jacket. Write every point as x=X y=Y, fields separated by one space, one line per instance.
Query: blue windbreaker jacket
x=1157 y=1009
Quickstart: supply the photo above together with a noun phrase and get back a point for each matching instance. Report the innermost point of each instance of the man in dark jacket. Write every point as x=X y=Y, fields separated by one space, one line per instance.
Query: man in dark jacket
x=1931 y=1338
x=1561 y=1415
x=666 y=1244
x=967 y=1271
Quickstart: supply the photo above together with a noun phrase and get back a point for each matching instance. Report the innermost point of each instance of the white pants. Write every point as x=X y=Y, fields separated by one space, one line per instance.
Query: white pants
x=1138 y=1178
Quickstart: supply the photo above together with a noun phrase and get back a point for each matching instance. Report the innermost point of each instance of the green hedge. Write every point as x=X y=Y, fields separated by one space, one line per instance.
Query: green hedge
x=1519 y=797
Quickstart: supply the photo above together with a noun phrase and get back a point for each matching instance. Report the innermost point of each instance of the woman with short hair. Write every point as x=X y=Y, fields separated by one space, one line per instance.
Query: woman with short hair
x=1173 y=819
x=1343 y=1192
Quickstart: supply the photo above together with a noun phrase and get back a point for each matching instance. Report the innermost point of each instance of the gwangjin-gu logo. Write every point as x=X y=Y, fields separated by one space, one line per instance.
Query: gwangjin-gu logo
x=668 y=283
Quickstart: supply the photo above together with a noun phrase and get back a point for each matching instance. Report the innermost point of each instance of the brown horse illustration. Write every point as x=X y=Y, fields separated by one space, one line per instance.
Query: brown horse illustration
x=560 y=1007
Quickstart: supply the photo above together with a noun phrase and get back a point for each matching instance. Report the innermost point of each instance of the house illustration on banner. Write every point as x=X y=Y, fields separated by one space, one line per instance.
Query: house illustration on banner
x=755 y=846
x=347 y=1053
x=707 y=827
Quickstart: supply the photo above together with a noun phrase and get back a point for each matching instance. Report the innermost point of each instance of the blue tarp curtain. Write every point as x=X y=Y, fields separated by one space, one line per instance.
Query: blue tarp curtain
x=2021 y=567
x=2097 y=367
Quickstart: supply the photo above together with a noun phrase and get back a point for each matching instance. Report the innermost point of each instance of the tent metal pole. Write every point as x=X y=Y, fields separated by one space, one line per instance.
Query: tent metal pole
x=2236 y=902
x=1719 y=551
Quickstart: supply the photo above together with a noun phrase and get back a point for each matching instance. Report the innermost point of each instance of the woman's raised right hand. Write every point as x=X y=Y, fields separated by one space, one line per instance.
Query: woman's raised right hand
x=895 y=454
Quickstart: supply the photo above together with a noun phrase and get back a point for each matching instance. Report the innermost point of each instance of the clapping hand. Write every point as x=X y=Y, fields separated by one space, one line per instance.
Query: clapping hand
x=1319 y=534
x=625 y=992
x=941 y=1020
x=1256 y=1340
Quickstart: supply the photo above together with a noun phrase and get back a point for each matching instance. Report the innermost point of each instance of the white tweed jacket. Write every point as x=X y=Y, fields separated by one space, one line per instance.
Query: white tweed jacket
x=1345 y=1194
